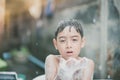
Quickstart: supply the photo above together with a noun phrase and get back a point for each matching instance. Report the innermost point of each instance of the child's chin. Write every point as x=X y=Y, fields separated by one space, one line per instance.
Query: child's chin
x=70 y=57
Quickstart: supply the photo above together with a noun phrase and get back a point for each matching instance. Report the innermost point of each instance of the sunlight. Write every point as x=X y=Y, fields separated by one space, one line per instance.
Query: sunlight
x=35 y=9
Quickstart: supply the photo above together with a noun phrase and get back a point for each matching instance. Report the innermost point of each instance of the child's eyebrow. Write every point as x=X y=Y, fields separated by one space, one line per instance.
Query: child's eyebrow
x=65 y=37
x=61 y=37
x=75 y=36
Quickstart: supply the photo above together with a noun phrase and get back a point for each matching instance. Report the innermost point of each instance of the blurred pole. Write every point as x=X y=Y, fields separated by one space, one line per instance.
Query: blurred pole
x=2 y=18
x=103 y=46
x=36 y=61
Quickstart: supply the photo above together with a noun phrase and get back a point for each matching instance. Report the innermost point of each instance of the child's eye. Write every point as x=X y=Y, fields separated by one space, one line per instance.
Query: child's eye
x=74 y=40
x=62 y=40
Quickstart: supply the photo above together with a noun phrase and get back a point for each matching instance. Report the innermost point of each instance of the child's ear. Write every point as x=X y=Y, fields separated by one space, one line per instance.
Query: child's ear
x=83 y=42
x=55 y=43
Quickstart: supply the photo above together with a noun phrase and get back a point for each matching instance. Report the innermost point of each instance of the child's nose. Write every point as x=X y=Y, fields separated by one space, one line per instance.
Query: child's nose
x=68 y=44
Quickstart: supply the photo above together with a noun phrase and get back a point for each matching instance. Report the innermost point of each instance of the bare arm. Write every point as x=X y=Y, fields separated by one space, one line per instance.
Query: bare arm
x=88 y=74
x=51 y=64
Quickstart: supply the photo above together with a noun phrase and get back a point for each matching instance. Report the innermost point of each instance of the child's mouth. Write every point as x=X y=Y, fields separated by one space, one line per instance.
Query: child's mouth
x=69 y=52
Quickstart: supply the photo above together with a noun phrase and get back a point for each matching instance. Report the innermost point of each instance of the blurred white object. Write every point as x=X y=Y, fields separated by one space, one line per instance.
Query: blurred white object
x=8 y=76
x=41 y=77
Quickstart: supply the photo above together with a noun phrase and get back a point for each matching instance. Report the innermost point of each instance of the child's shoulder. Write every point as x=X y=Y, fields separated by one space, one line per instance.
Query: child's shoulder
x=52 y=57
x=90 y=61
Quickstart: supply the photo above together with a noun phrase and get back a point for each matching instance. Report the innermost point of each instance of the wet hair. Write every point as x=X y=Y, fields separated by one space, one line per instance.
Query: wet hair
x=69 y=23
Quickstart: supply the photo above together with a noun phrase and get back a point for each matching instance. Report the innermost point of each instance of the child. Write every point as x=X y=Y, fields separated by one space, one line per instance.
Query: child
x=69 y=40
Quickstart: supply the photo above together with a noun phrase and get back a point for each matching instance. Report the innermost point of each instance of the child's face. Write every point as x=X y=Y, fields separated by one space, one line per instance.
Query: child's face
x=69 y=43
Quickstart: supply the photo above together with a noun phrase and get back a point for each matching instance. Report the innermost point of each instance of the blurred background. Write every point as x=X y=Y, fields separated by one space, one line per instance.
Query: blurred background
x=27 y=28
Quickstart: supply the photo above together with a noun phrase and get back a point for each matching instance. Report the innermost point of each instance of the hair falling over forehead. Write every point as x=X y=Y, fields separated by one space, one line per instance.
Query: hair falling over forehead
x=69 y=23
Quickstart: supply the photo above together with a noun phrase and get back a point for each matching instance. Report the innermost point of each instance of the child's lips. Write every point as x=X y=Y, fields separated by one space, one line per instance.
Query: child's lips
x=69 y=52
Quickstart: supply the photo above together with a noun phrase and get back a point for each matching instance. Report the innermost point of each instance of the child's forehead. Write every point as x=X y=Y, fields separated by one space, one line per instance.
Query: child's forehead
x=69 y=31
x=70 y=28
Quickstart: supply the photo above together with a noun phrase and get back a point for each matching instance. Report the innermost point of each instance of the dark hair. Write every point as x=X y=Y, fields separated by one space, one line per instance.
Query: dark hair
x=69 y=23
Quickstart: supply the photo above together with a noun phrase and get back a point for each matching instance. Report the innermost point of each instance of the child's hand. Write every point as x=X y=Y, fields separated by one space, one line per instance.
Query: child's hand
x=67 y=68
x=71 y=63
